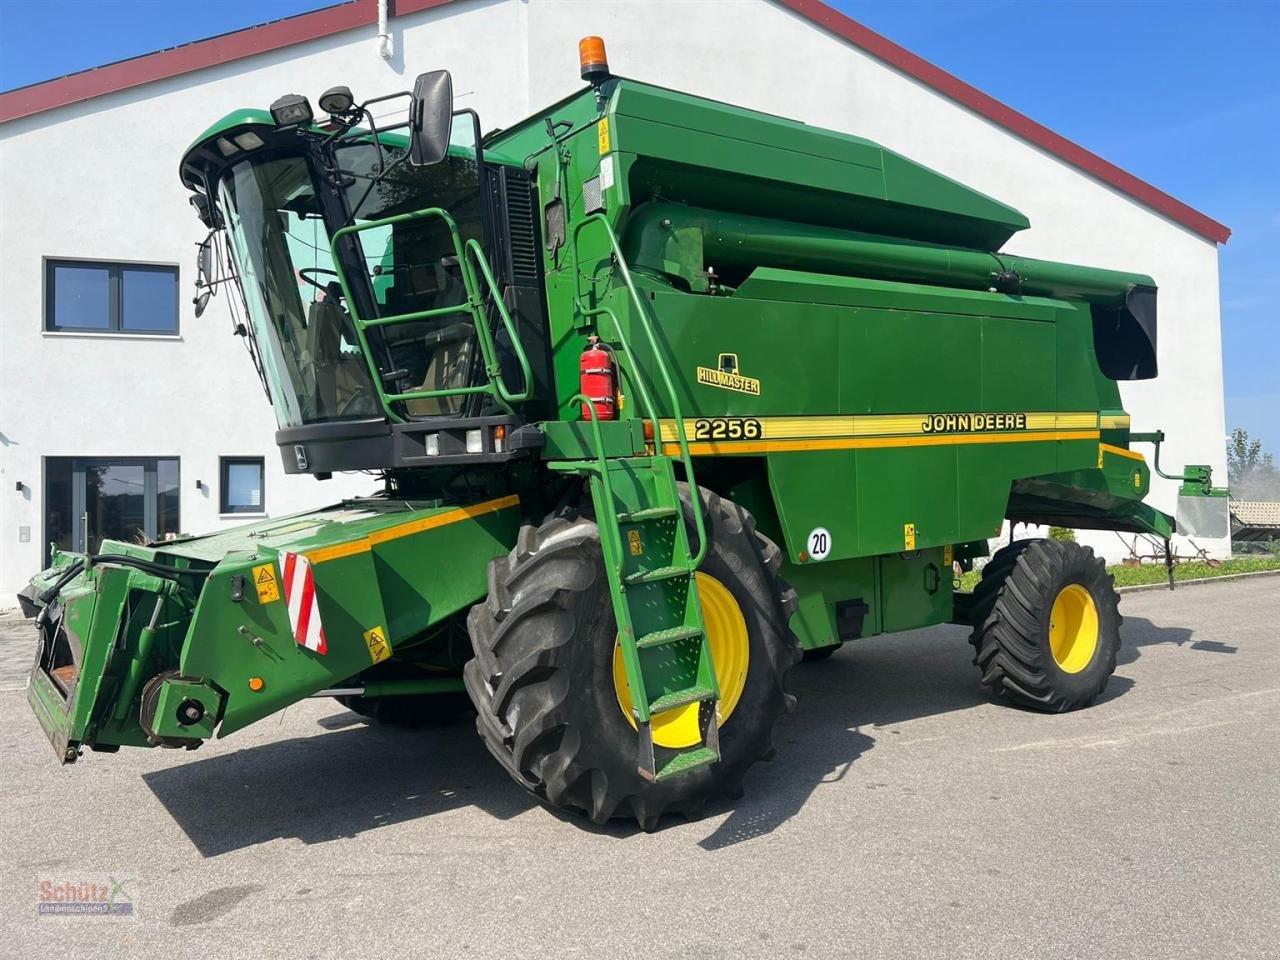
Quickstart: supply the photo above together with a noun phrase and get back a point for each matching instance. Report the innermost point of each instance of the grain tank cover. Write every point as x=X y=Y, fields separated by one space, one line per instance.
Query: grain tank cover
x=711 y=154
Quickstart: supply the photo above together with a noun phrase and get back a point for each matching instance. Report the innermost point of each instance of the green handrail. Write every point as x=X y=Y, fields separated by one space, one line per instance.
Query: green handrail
x=601 y=467
x=613 y=554
x=526 y=370
x=496 y=386
x=646 y=402
x=647 y=325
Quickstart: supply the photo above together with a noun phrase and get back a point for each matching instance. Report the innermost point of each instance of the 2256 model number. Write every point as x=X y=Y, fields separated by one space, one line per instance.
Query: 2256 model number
x=728 y=428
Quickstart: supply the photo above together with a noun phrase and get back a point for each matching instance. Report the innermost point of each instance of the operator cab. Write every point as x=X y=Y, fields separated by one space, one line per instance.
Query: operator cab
x=350 y=248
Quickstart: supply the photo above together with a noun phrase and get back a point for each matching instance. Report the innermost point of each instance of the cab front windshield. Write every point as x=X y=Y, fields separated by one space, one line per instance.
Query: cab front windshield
x=302 y=323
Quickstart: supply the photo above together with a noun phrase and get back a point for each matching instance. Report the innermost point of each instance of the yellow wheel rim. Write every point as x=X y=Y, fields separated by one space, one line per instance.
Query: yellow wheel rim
x=730 y=652
x=1073 y=628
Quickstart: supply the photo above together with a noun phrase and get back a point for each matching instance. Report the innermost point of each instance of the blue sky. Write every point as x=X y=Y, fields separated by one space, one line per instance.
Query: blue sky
x=1183 y=94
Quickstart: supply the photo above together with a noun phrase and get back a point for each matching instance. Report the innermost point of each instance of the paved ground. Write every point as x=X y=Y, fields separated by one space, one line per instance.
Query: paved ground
x=17 y=650
x=906 y=816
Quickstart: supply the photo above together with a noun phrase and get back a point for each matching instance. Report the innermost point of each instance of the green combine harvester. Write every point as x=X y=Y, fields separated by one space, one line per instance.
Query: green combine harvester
x=663 y=394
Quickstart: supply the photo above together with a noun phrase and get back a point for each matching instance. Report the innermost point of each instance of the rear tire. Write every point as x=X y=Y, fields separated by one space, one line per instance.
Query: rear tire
x=1046 y=625
x=542 y=678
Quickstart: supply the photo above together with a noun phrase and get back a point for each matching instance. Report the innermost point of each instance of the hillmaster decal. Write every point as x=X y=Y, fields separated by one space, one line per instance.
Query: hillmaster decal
x=727 y=377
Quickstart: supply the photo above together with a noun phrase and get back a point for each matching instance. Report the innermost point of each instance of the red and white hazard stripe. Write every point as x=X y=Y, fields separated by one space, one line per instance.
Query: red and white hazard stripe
x=300 y=597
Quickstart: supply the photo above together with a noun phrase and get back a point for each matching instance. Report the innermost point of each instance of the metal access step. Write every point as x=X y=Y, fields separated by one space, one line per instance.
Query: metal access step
x=689 y=760
x=651 y=513
x=661 y=638
x=655 y=598
x=678 y=698
x=652 y=576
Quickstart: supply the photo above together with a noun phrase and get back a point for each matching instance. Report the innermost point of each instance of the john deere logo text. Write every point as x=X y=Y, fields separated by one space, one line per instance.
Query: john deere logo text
x=726 y=376
x=972 y=422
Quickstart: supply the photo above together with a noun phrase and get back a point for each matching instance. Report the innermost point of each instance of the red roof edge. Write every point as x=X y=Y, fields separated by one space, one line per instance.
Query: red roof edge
x=187 y=58
x=1023 y=126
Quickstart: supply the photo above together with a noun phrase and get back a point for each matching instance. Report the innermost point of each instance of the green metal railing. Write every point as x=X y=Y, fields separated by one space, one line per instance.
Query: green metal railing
x=495 y=385
x=646 y=324
x=611 y=543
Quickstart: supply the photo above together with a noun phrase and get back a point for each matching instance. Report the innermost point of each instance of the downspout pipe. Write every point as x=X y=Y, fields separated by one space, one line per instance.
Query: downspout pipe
x=386 y=48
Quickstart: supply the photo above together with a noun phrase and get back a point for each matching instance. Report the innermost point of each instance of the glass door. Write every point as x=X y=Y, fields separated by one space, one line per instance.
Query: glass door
x=89 y=500
x=114 y=504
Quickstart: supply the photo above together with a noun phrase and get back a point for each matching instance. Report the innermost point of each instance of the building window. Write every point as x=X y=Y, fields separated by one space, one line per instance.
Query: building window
x=92 y=499
x=89 y=297
x=242 y=485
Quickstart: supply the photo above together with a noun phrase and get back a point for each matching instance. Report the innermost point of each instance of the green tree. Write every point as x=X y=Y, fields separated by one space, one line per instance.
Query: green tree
x=1251 y=471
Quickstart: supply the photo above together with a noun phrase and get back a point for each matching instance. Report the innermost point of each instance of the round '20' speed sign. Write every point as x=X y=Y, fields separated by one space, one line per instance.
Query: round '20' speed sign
x=819 y=543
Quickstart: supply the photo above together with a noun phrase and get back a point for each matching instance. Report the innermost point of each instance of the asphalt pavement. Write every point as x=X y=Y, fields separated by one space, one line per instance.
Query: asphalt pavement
x=907 y=815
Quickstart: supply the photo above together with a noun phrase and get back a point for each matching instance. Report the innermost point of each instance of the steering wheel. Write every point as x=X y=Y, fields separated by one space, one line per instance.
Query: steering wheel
x=349 y=405
x=303 y=271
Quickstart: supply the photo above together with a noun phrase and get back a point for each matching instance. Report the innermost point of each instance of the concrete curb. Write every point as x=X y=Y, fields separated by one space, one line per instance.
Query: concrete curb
x=1179 y=584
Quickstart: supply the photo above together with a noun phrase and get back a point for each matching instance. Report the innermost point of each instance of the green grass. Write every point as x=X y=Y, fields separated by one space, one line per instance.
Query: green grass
x=1155 y=573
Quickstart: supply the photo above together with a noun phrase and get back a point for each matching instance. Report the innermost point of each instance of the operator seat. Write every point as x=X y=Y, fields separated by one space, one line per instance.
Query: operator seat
x=448 y=346
x=323 y=346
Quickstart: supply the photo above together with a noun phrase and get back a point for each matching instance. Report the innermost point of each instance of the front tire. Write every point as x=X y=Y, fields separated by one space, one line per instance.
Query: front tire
x=1046 y=625
x=543 y=685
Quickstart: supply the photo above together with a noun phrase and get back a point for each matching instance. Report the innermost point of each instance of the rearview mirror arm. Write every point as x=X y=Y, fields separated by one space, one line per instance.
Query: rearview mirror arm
x=475 y=126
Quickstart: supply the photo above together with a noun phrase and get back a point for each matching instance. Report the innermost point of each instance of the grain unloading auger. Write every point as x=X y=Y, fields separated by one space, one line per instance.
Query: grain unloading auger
x=663 y=393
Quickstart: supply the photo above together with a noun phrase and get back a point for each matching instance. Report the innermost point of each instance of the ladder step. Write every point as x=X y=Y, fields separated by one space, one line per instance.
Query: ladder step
x=684 y=762
x=651 y=513
x=660 y=637
x=652 y=576
x=669 y=701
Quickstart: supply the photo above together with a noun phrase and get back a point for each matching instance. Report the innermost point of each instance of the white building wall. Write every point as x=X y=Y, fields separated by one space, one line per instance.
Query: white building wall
x=98 y=180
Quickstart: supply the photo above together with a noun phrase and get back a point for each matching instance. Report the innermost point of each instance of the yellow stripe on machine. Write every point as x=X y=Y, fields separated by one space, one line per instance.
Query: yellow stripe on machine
x=1114 y=421
x=1121 y=452
x=901 y=424
x=409 y=528
x=714 y=447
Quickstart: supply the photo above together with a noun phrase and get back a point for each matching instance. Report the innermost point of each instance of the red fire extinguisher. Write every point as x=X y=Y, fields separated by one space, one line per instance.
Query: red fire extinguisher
x=597 y=382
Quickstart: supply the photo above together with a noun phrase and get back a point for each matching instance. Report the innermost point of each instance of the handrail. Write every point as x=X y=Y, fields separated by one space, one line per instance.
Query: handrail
x=646 y=401
x=630 y=654
x=496 y=386
x=526 y=369
x=645 y=322
x=602 y=468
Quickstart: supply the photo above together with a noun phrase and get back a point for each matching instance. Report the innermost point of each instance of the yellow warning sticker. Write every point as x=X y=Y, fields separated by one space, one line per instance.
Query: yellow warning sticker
x=947 y=555
x=376 y=641
x=264 y=581
x=1099 y=456
x=634 y=544
x=602 y=135
x=908 y=536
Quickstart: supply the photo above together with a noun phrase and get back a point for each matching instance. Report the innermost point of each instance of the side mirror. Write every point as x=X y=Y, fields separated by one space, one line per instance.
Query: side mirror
x=430 y=118
x=204 y=262
x=204 y=273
